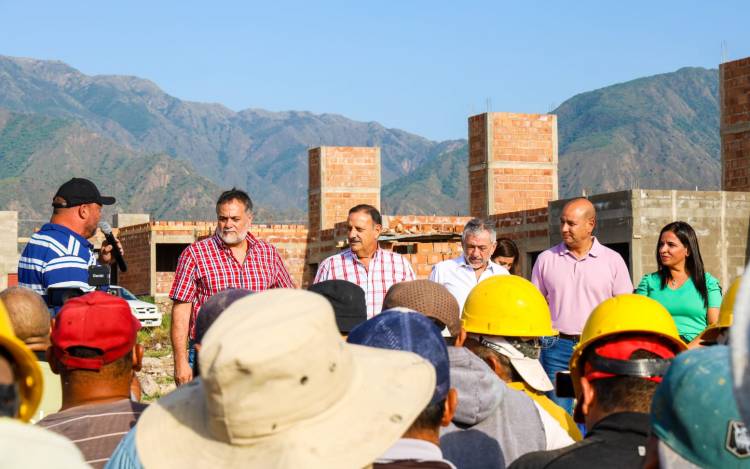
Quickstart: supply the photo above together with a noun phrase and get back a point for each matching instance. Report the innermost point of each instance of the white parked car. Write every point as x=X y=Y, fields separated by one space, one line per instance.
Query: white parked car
x=145 y=312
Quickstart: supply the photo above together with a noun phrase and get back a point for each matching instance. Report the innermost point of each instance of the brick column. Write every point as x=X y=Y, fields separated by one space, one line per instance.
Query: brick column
x=136 y=241
x=512 y=162
x=734 y=83
x=340 y=178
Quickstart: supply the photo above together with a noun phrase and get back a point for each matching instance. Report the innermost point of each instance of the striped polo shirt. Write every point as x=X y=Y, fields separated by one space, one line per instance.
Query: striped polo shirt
x=55 y=257
x=95 y=428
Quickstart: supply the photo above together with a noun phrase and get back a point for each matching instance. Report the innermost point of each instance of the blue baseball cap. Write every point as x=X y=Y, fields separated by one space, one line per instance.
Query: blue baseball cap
x=411 y=332
x=694 y=413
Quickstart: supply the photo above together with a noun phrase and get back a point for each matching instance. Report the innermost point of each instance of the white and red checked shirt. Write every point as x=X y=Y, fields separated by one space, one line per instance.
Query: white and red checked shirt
x=386 y=268
x=207 y=267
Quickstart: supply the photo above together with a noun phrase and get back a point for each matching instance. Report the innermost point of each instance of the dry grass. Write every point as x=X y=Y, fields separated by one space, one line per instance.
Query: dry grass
x=155 y=340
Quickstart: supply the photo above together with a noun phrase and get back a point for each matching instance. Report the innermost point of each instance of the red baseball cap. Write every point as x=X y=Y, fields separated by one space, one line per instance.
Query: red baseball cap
x=95 y=320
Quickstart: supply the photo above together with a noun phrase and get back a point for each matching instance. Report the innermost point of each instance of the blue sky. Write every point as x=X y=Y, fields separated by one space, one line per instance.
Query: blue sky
x=422 y=66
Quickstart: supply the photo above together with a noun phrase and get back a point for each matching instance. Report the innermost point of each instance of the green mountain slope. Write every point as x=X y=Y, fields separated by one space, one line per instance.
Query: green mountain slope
x=438 y=187
x=39 y=153
x=265 y=152
x=655 y=132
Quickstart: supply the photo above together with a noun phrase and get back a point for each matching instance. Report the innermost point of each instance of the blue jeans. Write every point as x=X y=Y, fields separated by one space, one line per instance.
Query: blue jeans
x=191 y=353
x=556 y=357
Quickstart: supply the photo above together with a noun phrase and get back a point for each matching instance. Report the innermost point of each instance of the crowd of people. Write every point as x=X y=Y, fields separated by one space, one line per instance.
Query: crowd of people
x=474 y=367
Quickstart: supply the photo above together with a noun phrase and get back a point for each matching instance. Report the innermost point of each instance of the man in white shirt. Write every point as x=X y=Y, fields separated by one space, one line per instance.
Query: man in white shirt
x=461 y=274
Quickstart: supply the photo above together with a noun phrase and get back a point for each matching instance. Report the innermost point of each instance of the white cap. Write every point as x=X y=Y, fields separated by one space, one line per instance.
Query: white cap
x=530 y=369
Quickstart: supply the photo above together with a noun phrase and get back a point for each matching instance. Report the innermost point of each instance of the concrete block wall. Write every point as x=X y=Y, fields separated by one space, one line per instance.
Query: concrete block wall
x=613 y=218
x=8 y=246
x=340 y=178
x=512 y=162
x=734 y=83
x=720 y=219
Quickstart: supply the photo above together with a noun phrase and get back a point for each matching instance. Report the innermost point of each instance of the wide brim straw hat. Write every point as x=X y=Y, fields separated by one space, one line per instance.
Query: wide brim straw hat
x=279 y=388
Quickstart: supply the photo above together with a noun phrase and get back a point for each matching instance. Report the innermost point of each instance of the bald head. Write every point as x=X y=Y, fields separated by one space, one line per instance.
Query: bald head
x=582 y=207
x=28 y=315
x=577 y=223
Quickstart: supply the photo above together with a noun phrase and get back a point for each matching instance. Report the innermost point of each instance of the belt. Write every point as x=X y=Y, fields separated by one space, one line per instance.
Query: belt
x=575 y=338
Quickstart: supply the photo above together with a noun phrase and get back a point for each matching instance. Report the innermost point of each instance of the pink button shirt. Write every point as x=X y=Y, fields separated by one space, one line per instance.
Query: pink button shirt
x=574 y=287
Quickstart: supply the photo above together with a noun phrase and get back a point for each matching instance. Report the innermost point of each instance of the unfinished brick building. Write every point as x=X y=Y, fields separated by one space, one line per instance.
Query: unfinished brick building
x=513 y=178
x=512 y=183
x=734 y=84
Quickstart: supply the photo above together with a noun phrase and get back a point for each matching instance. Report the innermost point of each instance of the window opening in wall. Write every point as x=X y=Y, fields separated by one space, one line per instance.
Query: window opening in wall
x=623 y=249
x=531 y=258
x=167 y=255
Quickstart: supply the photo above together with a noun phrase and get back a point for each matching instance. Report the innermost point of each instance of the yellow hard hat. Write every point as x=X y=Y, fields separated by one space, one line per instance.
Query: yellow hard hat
x=507 y=305
x=627 y=313
x=30 y=376
x=726 y=313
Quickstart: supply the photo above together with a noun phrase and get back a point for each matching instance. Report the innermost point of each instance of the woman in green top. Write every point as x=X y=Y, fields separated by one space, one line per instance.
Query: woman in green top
x=691 y=295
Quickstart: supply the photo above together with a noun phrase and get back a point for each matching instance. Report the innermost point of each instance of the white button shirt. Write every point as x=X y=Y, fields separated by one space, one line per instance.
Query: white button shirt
x=459 y=277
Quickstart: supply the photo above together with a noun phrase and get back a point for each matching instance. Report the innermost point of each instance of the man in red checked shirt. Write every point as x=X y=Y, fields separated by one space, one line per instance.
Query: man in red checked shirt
x=365 y=263
x=231 y=258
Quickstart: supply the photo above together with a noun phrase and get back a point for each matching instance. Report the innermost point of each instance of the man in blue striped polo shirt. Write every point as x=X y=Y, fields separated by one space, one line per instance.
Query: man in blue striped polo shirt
x=59 y=255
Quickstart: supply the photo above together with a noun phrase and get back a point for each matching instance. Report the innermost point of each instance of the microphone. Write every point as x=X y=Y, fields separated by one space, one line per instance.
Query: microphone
x=107 y=230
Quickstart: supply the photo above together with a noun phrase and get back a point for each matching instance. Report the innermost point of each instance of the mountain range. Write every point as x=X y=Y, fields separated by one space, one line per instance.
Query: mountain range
x=171 y=157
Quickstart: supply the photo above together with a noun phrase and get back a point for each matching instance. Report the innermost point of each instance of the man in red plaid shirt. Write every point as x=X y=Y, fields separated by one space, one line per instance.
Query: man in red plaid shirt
x=365 y=263
x=231 y=258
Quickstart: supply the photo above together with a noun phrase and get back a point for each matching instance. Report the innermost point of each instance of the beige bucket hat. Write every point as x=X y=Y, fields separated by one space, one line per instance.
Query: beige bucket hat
x=280 y=389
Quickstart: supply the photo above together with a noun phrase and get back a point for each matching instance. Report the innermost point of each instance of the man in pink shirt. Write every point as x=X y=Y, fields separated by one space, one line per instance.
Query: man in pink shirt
x=575 y=276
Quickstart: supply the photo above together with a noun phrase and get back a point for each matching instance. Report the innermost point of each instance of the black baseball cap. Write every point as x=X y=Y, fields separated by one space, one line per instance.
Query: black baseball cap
x=79 y=191
x=347 y=299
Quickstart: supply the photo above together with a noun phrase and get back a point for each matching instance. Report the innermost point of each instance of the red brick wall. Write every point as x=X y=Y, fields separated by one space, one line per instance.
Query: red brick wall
x=520 y=153
x=478 y=165
x=735 y=125
x=136 y=243
x=529 y=229
x=429 y=254
x=521 y=188
x=423 y=255
x=291 y=242
x=340 y=178
x=313 y=188
x=164 y=282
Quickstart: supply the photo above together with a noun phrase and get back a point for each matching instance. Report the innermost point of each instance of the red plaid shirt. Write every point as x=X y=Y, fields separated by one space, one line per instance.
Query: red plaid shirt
x=207 y=267
x=385 y=269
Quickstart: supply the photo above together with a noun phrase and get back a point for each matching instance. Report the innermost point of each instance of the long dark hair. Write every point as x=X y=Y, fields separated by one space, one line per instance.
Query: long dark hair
x=507 y=248
x=693 y=263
